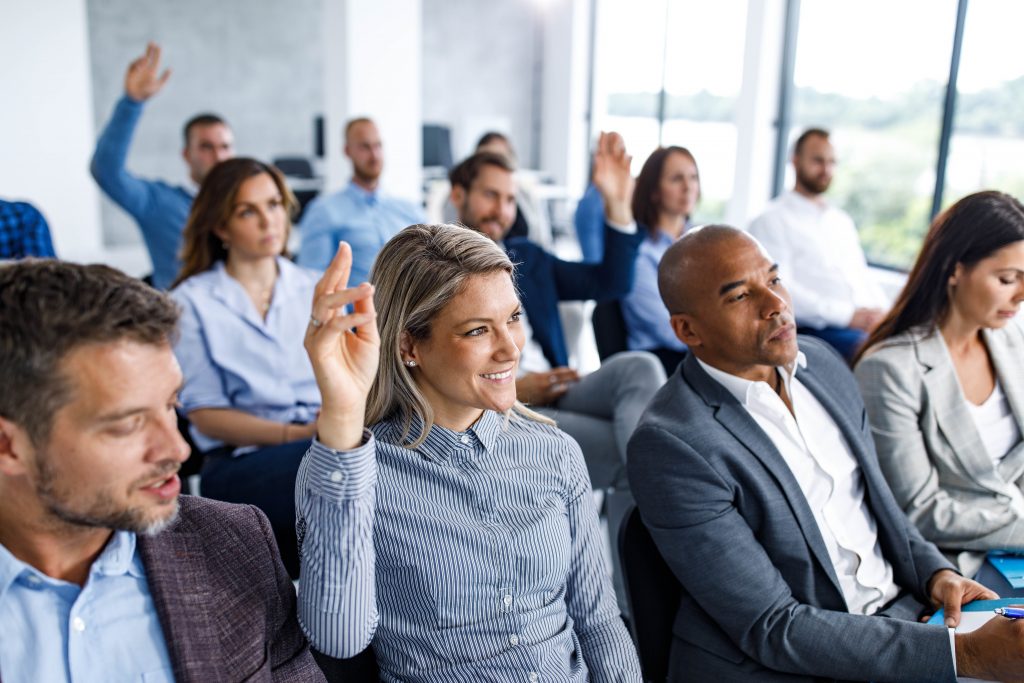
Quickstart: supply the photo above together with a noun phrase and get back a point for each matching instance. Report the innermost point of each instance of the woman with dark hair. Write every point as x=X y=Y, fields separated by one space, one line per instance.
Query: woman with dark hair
x=666 y=193
x=944 y=386
x=249 y=388
x=458 y=532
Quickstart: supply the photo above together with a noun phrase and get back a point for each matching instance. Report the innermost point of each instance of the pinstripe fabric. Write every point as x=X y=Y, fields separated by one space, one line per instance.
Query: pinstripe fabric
x=488 y=561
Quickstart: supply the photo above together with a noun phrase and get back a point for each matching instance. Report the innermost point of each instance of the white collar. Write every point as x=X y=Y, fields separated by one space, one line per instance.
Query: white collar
x=740 y=388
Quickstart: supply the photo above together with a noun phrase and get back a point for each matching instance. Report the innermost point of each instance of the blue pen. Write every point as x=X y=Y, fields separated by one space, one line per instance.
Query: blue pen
x=1010 y=612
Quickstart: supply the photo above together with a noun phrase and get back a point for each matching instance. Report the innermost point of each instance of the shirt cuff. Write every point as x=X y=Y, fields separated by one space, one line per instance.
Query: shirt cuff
x=627 y=228
x=342 y=475
x=952 y=647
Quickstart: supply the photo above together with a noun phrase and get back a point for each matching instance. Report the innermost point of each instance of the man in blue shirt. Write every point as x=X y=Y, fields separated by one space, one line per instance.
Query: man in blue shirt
x=23 y=232
x=105 y=572
x=601 y=409
x=360 y=214
x=159 y=208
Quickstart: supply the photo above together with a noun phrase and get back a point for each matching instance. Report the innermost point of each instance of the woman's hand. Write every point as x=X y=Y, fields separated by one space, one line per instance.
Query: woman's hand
x=344 y=350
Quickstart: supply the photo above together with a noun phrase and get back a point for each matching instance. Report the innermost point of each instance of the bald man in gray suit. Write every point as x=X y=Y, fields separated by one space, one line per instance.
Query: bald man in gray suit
x=755 y=471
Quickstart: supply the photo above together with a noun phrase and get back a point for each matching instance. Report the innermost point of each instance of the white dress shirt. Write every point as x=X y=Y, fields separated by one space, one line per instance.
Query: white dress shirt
x=820 y=259
x=996 y=424
x=830 y=478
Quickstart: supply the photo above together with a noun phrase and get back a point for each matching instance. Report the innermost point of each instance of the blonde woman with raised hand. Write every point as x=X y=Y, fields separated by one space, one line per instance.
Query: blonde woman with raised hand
x=458 y=532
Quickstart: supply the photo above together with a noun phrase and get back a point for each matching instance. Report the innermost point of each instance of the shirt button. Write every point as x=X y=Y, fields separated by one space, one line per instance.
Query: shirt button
x=534 y=677
x=337 y=476
x=464 y=439
x=507 y=599
x=513 y=639
x=77 y=624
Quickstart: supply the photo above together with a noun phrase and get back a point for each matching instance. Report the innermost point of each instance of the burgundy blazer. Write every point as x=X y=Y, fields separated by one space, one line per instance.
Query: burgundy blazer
x=225 y=602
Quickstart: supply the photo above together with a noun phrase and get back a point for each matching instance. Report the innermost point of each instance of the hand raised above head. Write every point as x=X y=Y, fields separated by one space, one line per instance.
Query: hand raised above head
x=344 y=350
x=612 y=177
x=141 y=81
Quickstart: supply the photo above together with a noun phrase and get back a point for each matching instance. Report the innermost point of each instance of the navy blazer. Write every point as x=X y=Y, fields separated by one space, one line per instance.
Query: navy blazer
x=761 y=600
x=544 y=279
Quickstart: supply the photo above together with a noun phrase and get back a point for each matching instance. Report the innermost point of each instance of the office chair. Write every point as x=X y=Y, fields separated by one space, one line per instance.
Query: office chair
x=653 y=594
x=294 y=167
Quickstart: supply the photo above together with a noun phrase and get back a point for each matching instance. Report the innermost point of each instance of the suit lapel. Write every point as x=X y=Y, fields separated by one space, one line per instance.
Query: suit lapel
x=182 y=592
x=735 y=418
x=952 y=414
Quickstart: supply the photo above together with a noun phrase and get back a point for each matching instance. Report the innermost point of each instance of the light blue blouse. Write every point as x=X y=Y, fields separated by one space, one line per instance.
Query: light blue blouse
x=233 y=358
x=647 y=319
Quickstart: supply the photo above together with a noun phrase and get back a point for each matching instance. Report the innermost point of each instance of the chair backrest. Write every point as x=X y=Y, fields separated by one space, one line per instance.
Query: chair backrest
x=609 y=328
x=653 y=593
x=295 y=167
x=437 y=145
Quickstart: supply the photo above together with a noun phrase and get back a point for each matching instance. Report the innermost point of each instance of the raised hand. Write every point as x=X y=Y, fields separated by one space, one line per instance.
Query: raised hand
x=344 y=350
x=141 y=81
x=612 y=178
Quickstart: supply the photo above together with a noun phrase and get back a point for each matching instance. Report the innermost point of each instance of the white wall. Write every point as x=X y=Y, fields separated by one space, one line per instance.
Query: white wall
x=46 y=124
x=372 y=67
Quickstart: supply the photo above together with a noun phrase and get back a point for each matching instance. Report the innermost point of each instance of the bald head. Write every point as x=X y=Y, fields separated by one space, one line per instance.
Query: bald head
x=681 y=268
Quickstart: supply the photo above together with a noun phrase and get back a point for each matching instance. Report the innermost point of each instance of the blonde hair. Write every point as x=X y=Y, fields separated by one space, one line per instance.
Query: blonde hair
x=417 y=273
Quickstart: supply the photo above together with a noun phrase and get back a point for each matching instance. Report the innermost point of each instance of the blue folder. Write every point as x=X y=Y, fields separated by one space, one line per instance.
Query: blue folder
x=1010 y=565
x=979 y=606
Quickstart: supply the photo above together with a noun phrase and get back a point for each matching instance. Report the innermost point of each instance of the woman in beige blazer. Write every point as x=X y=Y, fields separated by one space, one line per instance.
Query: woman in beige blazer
x=943 y=381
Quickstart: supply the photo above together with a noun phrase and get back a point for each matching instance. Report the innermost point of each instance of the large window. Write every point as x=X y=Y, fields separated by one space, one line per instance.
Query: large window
x=988 y=131
x=878 y=85
x=668 y=72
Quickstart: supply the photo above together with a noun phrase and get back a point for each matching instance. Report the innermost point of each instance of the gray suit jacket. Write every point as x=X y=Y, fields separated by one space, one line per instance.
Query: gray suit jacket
x=225 y=602
x=761 y=600
x=930 y=450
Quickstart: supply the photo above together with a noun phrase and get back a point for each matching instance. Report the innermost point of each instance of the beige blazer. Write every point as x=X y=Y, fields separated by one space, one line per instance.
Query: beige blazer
x=931 y=452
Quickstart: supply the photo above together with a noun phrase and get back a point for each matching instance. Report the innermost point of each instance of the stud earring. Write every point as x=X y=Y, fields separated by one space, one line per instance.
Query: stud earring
x=410 y=363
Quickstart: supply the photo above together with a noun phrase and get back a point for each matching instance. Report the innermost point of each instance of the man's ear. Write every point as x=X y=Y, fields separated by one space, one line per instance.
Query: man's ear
x=682 y=325
x=457 y=196
x=14 y=447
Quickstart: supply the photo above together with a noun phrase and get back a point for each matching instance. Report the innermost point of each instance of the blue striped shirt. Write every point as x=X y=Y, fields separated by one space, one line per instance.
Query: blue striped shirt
x=486 y=552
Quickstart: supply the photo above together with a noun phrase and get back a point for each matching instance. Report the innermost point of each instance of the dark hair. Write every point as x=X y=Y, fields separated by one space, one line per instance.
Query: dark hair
x=645 y=202
x=971 y=230
x=806 y=135
x=466 y=172
x=490 y=136
x=212 y=208
x=204 y=119
x=352 y=123
x=49 y=308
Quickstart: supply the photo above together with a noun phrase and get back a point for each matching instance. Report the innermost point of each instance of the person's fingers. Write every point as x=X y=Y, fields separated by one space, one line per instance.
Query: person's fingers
x=337 y=273
x=366 y=307
x=154 y=55
x=563 y=375
x=329 y=305
x=163 y=78
x=951 y=599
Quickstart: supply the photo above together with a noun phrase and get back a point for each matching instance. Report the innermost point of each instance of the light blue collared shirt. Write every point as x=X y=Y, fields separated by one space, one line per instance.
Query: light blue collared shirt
x=366 y=220
x=486 y=550
x=647 y=318
x=233 y=358
x=108 y=630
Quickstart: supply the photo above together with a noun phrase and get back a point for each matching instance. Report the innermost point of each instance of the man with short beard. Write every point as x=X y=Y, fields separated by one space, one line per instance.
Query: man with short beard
x=360 y=214
x=819 y=253
x=106 y=573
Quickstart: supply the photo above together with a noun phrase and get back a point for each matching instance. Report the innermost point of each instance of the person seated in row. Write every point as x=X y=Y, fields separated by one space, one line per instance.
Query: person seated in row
x=361 y=213
x=23 y=232
x=106 y=572
x=601 y=409
x=159 y=208
x=944 y=386
x=755 y=471
x=667 y=190
x=485 y=558
x=498 y=143
x=819 y=252
x=249 y=388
